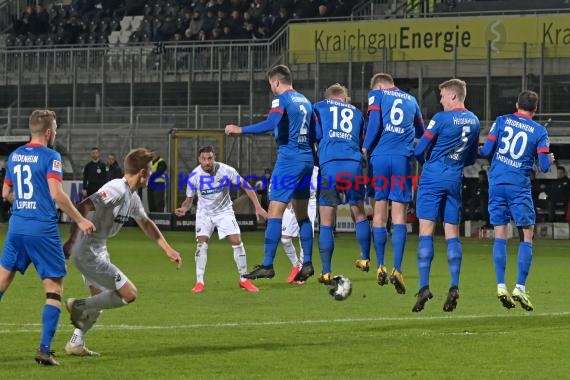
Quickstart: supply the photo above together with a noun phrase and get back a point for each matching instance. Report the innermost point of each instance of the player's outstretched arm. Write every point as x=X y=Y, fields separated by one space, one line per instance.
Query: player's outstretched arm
x=259 y=211
x=151 y=230
x=64 y=203
x=184 y=207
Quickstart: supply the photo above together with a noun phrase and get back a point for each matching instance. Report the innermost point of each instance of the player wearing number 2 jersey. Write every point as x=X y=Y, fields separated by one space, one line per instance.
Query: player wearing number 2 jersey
x=453 y=136
x=513 y=142
x=339 y=131
x=394 y=118
x=292 y=121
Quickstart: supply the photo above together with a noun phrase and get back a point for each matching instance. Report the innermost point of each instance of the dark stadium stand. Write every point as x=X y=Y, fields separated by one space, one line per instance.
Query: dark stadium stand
x=459 y=6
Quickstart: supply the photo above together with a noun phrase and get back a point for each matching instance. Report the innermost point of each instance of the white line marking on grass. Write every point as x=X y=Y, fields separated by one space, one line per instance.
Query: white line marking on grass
x=27 y=327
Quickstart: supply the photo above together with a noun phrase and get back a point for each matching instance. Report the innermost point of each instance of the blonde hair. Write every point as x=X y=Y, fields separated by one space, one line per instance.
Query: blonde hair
x=457 y=86
x=41 y=121
x=381 y=78
x=136 y=160
x=336 y=90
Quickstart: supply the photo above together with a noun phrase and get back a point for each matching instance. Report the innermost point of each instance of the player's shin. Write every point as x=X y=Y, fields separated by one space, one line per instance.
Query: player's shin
x=380 y=238
x=524 y=263
x=272 y=237
x=425 y=256
x=201 y=259
x=326 y=247
x=105 y=300
x=306 y=237
x=454 y=254
x=240 y=258
x=399 y=235
x=500 y=260
x=363 y=235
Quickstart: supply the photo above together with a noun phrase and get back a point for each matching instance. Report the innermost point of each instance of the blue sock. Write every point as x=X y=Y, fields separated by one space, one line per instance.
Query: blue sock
x=363 y=236
x=50 y=318
x=454 y=253
x=425 y=256
x=306 y=237
x=399 y=235
x=272 y=239
x=525 y=260
x=326 y=246
x=380 y=238
x=500 y=259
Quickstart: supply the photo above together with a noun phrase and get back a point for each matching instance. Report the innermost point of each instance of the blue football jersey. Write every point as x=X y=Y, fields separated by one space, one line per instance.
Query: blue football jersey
x=293 y=132
x=339 y=130
x=519 y=139
x=455 y=138
x=401 y=120
x=27 y=171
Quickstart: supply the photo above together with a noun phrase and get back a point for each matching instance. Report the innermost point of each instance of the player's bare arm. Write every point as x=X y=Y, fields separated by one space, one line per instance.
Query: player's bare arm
x=259 y=211
x=232 y=129
x=151 y=230
x=64 y=204
x=83 y=207
x=184 y=207
x=7 y=194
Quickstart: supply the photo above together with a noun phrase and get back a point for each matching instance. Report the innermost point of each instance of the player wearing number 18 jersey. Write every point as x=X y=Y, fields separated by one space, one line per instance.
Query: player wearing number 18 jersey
x=394 y=118
x=292 y=121
x=454 y=137
x=513 y=142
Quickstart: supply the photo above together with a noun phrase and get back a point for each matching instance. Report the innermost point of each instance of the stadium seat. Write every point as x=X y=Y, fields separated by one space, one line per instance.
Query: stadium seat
x=126 y=23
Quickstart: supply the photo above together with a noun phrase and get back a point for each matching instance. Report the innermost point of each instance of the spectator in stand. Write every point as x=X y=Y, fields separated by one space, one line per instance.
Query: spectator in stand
x=195 y=26
x=280 y=20
x=94 y=173
x=257 y=9
x=209 y=22
x=558 y=194
x=113 y=168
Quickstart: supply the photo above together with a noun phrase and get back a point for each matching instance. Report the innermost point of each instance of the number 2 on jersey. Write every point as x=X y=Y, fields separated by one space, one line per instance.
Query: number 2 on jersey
x=24 y=180
x=304 y=127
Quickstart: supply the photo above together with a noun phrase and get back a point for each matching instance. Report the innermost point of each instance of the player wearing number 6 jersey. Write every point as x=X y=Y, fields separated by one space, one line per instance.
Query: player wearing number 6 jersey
x=513 y=143
x=291 y=120
x=339 y=132
x=394 y=118
x=453 y=136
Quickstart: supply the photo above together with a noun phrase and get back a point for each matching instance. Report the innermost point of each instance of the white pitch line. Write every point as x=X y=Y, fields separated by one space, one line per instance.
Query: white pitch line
x=26 y=327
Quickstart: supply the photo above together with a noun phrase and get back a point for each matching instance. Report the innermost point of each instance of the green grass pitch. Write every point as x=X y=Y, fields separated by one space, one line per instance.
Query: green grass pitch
x=289 y=331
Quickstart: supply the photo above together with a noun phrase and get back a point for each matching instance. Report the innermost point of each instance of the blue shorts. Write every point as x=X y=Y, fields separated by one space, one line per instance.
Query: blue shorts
x=370 y=192
x=341 y=178
x=392 y=179
x=508 y=202
x=439 y=198
x=45 y=252
x=290 y=180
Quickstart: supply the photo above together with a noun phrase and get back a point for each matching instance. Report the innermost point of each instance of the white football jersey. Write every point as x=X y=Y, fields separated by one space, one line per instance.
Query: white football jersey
x=213 y=190
x=114 y=204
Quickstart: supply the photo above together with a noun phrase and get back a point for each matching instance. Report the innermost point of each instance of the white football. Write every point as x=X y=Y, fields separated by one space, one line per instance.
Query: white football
x=340 y=288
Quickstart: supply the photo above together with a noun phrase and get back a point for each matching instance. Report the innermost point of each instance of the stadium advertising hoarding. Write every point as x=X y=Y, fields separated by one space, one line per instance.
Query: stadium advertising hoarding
x=429 y=39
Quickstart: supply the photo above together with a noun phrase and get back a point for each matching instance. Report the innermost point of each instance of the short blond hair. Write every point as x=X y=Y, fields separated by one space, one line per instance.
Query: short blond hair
x=457 y=86
x=381 y=78
x=136 y=160
x=336 y=90
x=41 y=121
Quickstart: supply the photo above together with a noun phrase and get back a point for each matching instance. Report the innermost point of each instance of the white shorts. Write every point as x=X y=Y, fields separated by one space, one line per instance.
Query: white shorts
x=93 y=261
x=226 y=224
x=290 y=227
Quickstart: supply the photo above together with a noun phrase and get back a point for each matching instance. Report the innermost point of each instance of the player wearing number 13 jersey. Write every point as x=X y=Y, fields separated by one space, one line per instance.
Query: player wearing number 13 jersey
x=292 y=121
x=513 y=142
x=454 y=137
x=394 y=118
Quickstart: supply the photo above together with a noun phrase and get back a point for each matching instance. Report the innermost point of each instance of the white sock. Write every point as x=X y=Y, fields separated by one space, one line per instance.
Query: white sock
x=105 y=300
x=522 y=288
x=201 y=259
x=502 y=286
x=240 y=258
x=290 y=251
x=76 y=338
x=301 y=253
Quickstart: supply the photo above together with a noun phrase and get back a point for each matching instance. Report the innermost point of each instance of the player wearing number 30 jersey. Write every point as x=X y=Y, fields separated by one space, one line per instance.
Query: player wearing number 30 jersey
x=454 y=137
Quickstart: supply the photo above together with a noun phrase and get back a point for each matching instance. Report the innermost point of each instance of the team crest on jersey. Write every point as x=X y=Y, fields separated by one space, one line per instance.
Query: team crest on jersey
x=56 y=166
x=275 y=103
x=103 y=194
x=370 y=100
x=431 y=124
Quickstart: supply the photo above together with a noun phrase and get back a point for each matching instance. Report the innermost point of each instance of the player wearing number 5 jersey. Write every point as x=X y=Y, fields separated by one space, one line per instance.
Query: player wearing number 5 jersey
x=291 y=120
x=394 y=118
x=34 y=184
x=453 y=136
x=339 y=132
x=513 y=142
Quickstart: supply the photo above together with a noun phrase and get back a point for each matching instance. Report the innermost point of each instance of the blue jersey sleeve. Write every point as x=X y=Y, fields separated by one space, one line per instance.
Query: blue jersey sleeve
x=543 y=150
x=273 y=118
x=8 y=177
x=54 y=169
x=419 y=122
x=374 y=127
x=428 y=137
x=491 y=141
